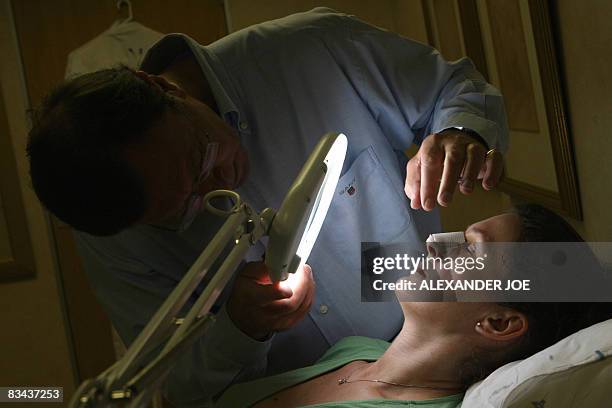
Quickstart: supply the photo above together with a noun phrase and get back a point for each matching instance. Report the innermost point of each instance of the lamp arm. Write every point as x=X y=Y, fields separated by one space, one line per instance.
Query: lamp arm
x=125 y=382
x=198 y=318
x=163 y=320
x=139 y=390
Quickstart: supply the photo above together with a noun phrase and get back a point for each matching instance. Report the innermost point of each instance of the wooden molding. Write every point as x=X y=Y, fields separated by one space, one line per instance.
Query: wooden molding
x=21 y=265
x=532 y=194
x=560 y=140
x=567 y=200
x=472 y=35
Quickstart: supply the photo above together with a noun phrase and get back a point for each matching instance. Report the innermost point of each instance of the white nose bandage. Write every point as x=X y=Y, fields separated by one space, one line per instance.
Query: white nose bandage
x=440 y=245
x=447 y=238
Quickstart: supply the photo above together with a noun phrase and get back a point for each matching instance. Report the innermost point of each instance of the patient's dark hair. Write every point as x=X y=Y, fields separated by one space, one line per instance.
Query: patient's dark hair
x=75 y=147
x=548 y=322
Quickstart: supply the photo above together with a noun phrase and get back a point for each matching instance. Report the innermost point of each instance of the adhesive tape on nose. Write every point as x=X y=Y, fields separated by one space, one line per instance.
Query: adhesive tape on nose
x=447 y=238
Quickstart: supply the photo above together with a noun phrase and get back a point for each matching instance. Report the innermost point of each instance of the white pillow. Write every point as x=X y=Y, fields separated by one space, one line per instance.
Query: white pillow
x=575 y=372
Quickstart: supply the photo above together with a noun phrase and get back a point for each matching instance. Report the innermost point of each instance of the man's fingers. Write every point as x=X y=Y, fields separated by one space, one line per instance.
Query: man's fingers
x=302 y=284
x=432 y=156
x=261 y=290
x=415 y=203
x=412 y=188
x=290 y=320
x=494 y=168
x=263 y=294
x=453 y=164
x=443 y=160
x=304 y=305
x=473 y=165
x=256 y=271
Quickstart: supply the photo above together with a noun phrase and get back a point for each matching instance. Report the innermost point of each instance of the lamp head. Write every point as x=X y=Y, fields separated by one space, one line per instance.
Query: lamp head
x=297 y=223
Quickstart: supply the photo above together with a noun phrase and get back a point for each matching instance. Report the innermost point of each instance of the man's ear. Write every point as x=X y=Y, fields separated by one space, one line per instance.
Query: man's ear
x=503 y=325
x=161 y=82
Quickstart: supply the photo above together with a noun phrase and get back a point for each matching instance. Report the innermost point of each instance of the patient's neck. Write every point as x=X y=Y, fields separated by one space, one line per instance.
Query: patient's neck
x=422 y=356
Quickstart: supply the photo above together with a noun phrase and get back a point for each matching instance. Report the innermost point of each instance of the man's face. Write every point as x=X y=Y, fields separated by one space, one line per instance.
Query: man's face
x=170 y=158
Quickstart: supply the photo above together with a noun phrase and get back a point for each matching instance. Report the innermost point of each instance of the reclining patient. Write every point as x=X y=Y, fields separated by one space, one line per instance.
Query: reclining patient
x=442 y=348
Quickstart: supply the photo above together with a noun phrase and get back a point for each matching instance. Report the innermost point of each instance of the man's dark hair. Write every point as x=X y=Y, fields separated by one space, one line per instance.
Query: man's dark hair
x=548 y=322
x=76 y=143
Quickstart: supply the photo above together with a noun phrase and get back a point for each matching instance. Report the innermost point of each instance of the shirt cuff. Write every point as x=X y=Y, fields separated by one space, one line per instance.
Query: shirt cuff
x=469 y=132
x=230 y=341
x=488 y=130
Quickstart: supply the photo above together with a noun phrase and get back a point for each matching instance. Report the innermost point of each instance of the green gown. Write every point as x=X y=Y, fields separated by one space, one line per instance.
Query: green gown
x=345 y=351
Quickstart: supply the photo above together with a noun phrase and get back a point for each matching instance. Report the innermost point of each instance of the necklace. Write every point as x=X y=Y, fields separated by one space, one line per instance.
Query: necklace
x=347 y=380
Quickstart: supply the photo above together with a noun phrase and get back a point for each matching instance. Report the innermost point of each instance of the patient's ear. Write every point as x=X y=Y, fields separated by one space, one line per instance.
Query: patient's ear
x=503 y=325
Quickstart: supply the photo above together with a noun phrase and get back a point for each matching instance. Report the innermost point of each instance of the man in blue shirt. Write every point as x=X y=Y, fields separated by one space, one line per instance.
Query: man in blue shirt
x=123 y=156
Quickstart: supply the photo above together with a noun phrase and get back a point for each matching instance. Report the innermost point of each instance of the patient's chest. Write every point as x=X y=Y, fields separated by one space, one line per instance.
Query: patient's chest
x=323 y=388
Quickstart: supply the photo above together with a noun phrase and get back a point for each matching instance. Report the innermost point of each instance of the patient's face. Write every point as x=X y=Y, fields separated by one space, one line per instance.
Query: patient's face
x=500 y=228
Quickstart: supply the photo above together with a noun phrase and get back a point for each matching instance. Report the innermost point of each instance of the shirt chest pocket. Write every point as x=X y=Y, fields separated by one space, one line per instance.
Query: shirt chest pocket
x=367 y=206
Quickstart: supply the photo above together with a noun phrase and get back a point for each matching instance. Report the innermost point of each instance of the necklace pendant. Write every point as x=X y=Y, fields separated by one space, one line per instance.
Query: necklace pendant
x=342 y=381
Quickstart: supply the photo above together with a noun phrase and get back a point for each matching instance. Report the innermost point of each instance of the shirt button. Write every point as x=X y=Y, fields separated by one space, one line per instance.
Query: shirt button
x=323 y=309
x=243 y=125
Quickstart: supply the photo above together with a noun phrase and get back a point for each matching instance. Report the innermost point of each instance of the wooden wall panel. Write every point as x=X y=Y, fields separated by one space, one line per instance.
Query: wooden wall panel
x=512 y=64
x=449 y=40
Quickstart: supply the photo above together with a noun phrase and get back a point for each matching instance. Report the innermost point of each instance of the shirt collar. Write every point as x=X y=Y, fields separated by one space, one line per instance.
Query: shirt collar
x=162 y=53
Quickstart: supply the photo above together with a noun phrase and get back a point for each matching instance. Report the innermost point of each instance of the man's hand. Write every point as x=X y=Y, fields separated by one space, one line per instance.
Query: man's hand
x=448 y=159
x=259 y=307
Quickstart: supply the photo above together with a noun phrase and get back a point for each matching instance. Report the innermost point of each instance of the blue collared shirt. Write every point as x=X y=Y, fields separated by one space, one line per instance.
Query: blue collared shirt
x=282 y=85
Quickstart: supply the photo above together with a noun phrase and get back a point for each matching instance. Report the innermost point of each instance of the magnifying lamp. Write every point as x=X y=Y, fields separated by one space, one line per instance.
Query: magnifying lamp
x=293 y=231
x=297 y=224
